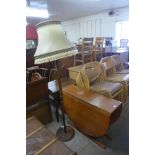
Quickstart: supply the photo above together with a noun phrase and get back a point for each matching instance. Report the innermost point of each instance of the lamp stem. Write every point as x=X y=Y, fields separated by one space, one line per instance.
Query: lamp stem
x=66 y=133
x=61 y=95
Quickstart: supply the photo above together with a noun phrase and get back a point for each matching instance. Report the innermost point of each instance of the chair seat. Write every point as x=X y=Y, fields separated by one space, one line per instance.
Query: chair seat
x=124 y=71
x=118 y=78
x=105 y=87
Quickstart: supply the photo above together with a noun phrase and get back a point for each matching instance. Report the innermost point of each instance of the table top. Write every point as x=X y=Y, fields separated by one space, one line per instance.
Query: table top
x=94 y=99
x=54 y=87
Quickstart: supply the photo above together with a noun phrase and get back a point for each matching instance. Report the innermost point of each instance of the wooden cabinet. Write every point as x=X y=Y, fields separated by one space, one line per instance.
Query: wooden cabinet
x=37 y=100
x=90 y=112
x=36 y=91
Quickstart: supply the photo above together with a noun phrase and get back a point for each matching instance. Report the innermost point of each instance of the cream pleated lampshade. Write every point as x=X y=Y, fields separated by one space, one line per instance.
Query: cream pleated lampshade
x=52 y=43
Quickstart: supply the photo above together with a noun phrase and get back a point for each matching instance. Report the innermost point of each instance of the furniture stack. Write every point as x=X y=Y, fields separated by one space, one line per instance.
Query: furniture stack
x=98 y=49
x=85 y=53
x=106 y=77
x=93 y=78
x=116 y=74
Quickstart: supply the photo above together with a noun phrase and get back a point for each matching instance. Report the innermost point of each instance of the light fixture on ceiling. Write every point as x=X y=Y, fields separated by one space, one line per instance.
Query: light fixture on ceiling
x=111 y=12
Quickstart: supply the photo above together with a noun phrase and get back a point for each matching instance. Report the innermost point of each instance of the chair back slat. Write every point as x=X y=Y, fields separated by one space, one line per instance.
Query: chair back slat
x=85 y=51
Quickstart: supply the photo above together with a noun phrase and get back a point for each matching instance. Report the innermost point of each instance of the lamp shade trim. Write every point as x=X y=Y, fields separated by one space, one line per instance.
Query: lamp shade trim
x=51 y=57
x=55 y=53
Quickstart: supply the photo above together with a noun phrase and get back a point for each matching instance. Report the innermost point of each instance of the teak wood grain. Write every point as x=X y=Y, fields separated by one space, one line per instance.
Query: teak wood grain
x=90 y=112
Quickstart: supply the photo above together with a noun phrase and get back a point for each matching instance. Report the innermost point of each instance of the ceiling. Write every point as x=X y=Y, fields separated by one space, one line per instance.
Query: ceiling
x=63 y=10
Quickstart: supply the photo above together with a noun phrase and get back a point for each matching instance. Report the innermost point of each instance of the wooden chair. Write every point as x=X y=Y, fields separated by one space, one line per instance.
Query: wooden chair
x=32 y=69
x=85 y=52
x=109 y=71
x=98 y=50
x=35 y=69
x=119 y=65
x=35 y=76
x=92 y=78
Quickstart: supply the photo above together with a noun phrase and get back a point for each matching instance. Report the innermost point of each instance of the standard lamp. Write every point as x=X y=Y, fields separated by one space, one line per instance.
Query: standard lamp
x=52 y=46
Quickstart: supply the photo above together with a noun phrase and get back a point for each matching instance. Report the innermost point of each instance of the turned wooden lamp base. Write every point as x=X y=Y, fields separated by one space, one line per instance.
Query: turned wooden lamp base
x=65 y=136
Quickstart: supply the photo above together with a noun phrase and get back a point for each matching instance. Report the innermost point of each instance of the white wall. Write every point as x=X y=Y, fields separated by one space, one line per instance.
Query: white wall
x=100 y=24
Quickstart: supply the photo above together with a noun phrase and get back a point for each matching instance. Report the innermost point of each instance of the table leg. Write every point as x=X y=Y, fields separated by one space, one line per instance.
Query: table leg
x=56 y=99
